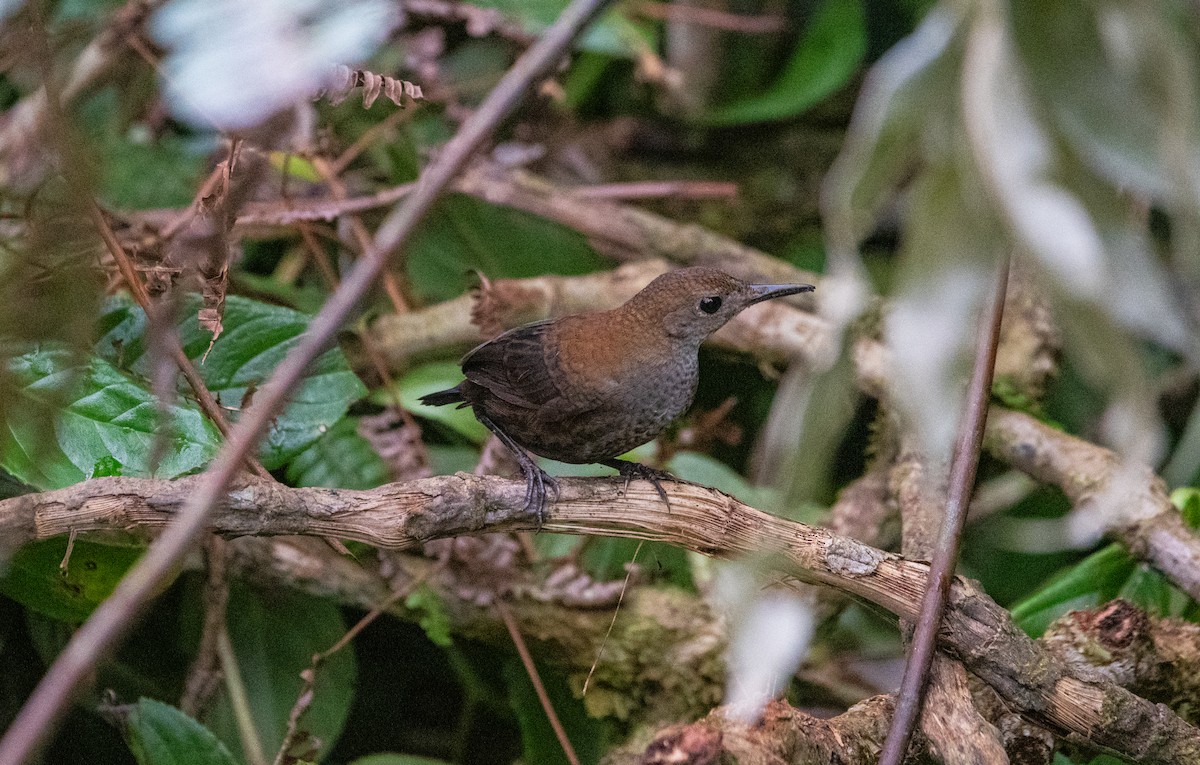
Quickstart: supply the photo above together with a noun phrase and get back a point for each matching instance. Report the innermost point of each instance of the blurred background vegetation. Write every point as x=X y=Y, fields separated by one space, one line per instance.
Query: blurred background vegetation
x=901 y=146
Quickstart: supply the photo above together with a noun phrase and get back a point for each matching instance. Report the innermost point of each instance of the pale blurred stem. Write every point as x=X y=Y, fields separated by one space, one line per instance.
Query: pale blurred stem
x=203 y=676
x=531 y=669
x=252 y=747
x=975 y=630
x=958 y=496
x=38 y=717
x=204 y=398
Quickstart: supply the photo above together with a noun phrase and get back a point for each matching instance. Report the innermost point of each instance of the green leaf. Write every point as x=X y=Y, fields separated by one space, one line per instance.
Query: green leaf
x=104 y=423
x=586 y=734
x=256 y=337
x=613 y=33
x=1187 y=499
x=1094 y=580
x=33 y=577
x=397 y=759
x=160 y=734
x=830 y=52
x=340 y=458
x=274 y=637
x=707 y=471
x=433 y=617
x=140 y=170
x=465 y=234
x=430 y=378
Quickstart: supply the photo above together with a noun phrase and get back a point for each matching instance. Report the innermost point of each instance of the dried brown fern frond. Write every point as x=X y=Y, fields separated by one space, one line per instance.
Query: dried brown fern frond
x=373 y=85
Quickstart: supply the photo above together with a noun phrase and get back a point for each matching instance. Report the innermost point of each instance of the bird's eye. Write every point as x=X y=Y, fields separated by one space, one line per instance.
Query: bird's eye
x=710 y=304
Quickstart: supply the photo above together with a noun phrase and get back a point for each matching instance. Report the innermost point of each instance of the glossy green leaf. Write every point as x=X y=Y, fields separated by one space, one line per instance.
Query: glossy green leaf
x=340 y=458
x=274 y=637
x=464 y=234
x=160 y=734
x=256 y=337
x=827 y=56
x=33 y=577
x=431 y=378
x=104 y=422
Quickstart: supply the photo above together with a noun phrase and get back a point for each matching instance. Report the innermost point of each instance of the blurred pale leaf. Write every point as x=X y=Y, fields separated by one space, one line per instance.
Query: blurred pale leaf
x=771 y=631
x=945 y=278
x=1116 y=78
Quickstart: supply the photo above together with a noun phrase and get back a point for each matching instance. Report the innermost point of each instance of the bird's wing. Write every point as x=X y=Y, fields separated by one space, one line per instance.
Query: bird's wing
x=516 y=368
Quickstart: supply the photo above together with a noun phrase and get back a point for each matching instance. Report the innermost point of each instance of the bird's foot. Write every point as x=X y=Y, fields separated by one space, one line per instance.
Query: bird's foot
x=631 y=470
x=536 y=481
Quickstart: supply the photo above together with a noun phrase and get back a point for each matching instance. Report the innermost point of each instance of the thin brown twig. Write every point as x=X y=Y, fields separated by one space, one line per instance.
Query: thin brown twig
x=360 y=144
x=45 y=707
x=657 y=190
x=531 y=669
x=711 y=17
x=958 y=498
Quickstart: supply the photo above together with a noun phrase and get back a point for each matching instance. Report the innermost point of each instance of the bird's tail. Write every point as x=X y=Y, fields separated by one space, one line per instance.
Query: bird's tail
x=443 y=397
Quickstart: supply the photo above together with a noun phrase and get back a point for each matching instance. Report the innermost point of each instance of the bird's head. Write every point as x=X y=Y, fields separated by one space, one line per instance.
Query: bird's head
x=692 y=303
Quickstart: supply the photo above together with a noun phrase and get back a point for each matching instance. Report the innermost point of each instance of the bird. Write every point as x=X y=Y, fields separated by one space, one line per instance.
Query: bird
x=588 y=387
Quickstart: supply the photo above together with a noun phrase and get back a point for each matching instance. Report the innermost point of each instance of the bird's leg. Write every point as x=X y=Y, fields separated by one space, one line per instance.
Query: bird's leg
x=631 y=470
x=536 y=479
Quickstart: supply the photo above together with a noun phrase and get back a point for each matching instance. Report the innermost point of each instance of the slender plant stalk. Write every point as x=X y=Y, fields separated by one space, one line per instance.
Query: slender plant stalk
x=98 y=636
x=958 y=499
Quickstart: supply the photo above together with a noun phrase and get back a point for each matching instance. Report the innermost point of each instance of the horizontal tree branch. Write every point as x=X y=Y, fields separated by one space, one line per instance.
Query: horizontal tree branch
x=976 y=630
x=773 y=332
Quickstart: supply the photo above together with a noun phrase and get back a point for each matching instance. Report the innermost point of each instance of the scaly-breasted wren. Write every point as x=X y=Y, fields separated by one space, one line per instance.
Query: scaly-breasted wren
x=589 y=387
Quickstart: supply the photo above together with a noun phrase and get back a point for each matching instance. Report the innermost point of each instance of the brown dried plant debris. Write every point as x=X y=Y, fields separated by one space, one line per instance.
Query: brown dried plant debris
x=397 y=441
x=373 y=85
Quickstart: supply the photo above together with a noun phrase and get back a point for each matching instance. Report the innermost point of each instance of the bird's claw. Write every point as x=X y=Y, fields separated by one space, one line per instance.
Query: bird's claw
x=536 y=481
x=632 y=470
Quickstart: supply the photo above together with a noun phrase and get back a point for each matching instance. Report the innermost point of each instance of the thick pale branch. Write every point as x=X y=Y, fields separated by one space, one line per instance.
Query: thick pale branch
x=774 y=332
x=1131 y=499
x=976 y=630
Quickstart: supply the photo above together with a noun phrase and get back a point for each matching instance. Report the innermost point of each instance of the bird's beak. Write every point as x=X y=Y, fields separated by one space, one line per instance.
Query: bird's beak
x=761 y=292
